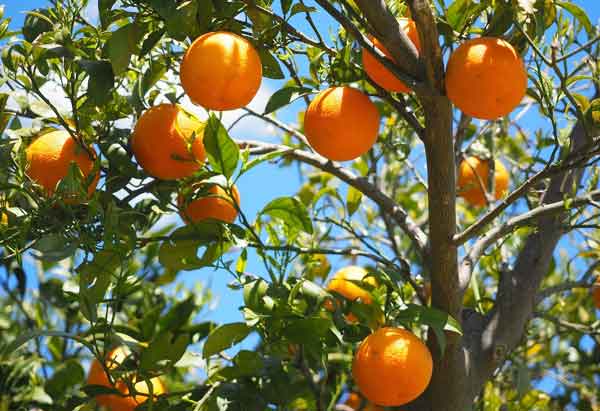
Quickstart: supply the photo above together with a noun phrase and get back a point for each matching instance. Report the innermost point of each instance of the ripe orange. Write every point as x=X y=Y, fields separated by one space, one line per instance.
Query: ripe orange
x=392 y=367
x=217 y=206
x=473 y=172
x=377 y=71
x=354 y=401
x=127 y=402
x=221 y=71
x=596 y=293
x=50 y=156
x=341 y=123
x=343 y=283
x=162 y=142
x=486 y=78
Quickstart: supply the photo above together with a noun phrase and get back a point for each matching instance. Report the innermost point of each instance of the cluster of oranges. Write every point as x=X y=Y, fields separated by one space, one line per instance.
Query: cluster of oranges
x=485 y=78
x=390 y=354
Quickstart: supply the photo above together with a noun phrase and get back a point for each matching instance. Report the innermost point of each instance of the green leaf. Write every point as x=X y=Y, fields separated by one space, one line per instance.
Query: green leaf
x=223 y=153
x=101 y=81
x=261 y=159
x=301 y=8
x=165 y=347
x=270 y=65
x=4 y=117
x=104 y=12
x=307 y=330
x=180 y=251
x=225 y=337
x=122 y=44
x=178 y=316
x=353 y=200
x=55 y=247
x=579 y=13
x=36 y=23
x=438 y=320
x=248 y=363
x=460 y=11
x=66 y=375
x=284 y=96
x=94 y=278
x=291 y=212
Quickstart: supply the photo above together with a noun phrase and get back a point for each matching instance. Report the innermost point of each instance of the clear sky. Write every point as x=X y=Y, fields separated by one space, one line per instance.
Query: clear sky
x=259 y=186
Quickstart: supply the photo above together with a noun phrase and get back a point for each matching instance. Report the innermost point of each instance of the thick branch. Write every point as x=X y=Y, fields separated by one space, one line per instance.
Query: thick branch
x=386 y=203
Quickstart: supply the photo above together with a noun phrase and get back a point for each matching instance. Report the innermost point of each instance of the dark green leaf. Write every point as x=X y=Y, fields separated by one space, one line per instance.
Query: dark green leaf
x=36 y=23
x=178 y=316
x=271 y=68
x=101 y=81
x=284 y=96
x=122 y=44
x=65 y=376
x=165 y=347
x=225 y=337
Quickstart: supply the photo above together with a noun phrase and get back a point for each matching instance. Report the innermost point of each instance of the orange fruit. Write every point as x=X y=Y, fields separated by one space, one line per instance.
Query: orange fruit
x=486 y=78
x=218 y=205
x=392 y=367
x=354 y=401
x=162 y=142
x=341 y=123
x=343 y=283
x=473 y=172
x=126 y=401
x=377 y=71
x=50 y=156
x=596 y=293
x=221 y=71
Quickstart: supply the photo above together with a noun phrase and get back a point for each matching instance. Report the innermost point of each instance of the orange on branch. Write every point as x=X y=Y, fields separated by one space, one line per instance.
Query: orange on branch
x=221 y=71
x=217 y=205
x=50 y=156
x=377 y=71
x=127 y=401
x=354 y=401
x=162 y=142
x=344 y=283
x=486 y=78
x=473 y=175
x=392 y=367
x=341 y=123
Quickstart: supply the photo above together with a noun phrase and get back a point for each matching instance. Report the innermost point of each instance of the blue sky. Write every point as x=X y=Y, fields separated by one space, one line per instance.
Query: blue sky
x=263 y=183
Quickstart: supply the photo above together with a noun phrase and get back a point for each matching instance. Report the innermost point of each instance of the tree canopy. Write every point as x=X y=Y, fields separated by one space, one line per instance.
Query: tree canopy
x=499 y=283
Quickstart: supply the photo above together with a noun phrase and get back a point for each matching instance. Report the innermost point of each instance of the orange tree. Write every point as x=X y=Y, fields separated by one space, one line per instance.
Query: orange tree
x=467 y=192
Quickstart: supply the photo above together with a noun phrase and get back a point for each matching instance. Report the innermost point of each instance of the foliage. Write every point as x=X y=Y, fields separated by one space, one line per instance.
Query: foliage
x=78 y=279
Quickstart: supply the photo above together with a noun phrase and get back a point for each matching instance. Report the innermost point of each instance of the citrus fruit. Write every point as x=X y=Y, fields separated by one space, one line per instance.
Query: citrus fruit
x=474 y=172
x=354 y=401
x=392 y=367
x=50 y=156
x=341 y=123
x=344 y=283
x=486 y=78
x=162 y=142
x=221 y=71
x=216 y=205
x=377 y=71
x=126 y=401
